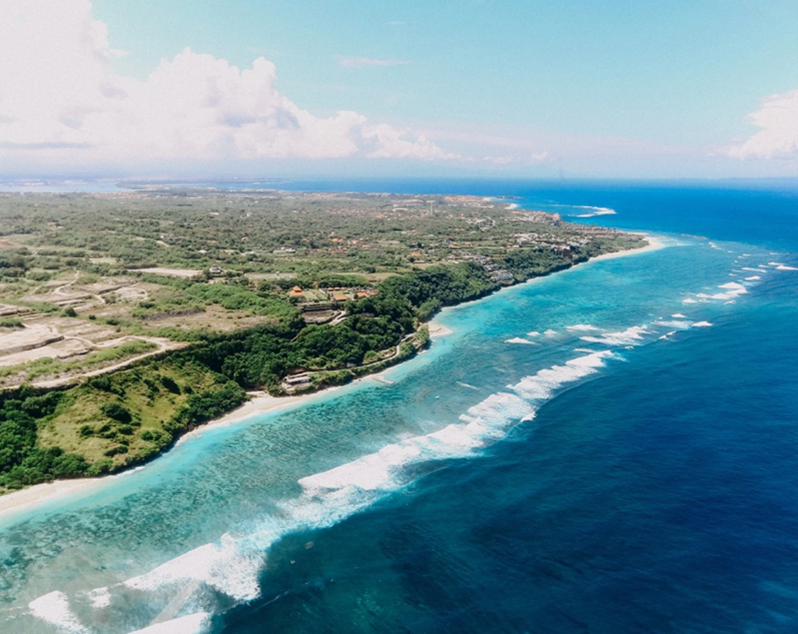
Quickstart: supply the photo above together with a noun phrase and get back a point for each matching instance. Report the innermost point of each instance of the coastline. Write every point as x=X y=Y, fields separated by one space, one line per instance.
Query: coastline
x=261 y=403
x=654 y=244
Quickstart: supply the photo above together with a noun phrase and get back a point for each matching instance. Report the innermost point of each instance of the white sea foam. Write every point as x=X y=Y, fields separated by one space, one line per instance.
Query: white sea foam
x=189 y=624
x=679 y=324
x=534 y=333
x=753 y=278
x=754 y=270
x=689 y=300
x=593 y=215
x=100 y=598
x=232 y=565
x=782 y=267
x=54 y=608
x=485 y=422
x=521 y=340
x=777 y=264
x=679 y=316
x=701 y=324
x=733 y=290
x=597 y=211
x=471 y=387
x=371 y=472
x=223 y=565
x=541 y=386
x=582 y=328
x=629 y=336
x=550 y=333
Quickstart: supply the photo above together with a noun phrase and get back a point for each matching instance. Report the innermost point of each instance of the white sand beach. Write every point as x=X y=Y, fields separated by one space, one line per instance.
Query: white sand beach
x=654 y=244
x=438 y=330
x=40 y=493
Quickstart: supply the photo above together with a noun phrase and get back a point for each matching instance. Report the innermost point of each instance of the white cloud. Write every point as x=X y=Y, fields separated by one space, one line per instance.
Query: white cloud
x=353 y=62
x=387 y=142
x=61 y=101
x=778 y=138
x=498 y=160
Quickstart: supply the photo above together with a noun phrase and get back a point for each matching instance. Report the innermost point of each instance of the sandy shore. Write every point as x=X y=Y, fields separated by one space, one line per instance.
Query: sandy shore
x=438 y=330
x=40 y=493
x=260 y=403
x=653 y=245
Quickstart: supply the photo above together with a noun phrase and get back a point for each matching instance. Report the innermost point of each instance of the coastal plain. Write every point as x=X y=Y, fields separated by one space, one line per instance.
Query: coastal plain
x=129 y=319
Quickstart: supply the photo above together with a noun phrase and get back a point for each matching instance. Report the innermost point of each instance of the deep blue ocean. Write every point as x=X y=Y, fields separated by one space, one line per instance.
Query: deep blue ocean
x=610 y=449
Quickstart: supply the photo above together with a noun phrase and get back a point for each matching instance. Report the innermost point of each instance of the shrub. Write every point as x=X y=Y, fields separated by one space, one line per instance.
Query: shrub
x=170 y=385
x=116 y=411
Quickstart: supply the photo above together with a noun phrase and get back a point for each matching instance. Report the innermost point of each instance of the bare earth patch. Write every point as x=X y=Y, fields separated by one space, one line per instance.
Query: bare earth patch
x=184 y=273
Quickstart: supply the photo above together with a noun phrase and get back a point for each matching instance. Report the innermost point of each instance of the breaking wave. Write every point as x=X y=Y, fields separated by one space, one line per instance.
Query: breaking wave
x=232 y=566
x=595 y=211
x=630 y=336
x=582 y=328
x=521 y=340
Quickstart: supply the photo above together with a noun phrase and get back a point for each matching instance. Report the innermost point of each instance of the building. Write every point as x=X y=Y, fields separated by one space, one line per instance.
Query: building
x=297 y=379
x=294 y=381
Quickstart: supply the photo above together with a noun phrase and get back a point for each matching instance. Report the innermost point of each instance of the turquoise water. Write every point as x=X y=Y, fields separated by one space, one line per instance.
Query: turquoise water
x=610 y=449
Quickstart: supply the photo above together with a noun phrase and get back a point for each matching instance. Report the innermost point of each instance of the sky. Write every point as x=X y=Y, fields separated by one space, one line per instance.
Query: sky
x=516 y=88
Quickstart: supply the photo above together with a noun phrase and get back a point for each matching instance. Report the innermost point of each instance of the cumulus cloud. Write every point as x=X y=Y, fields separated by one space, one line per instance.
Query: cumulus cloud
x=345 y=61
x=386 y=142
x=61 y=99
x=498 y=160
x=778 y=138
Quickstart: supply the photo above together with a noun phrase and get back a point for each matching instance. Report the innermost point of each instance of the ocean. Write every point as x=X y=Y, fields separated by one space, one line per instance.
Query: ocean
x=608 y=449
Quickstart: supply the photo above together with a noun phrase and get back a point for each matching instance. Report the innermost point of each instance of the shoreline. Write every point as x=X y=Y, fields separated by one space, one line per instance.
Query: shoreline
x=654 y=244
x=261 y=403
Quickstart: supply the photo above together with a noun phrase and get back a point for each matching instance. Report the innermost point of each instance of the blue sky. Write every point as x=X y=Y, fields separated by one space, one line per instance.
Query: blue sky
x=606 y=89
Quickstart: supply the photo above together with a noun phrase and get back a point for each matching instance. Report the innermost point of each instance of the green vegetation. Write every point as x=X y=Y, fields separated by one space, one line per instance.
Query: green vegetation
x=108 y=423
x=11 y=322
x=259 y=285
x=22 y=460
